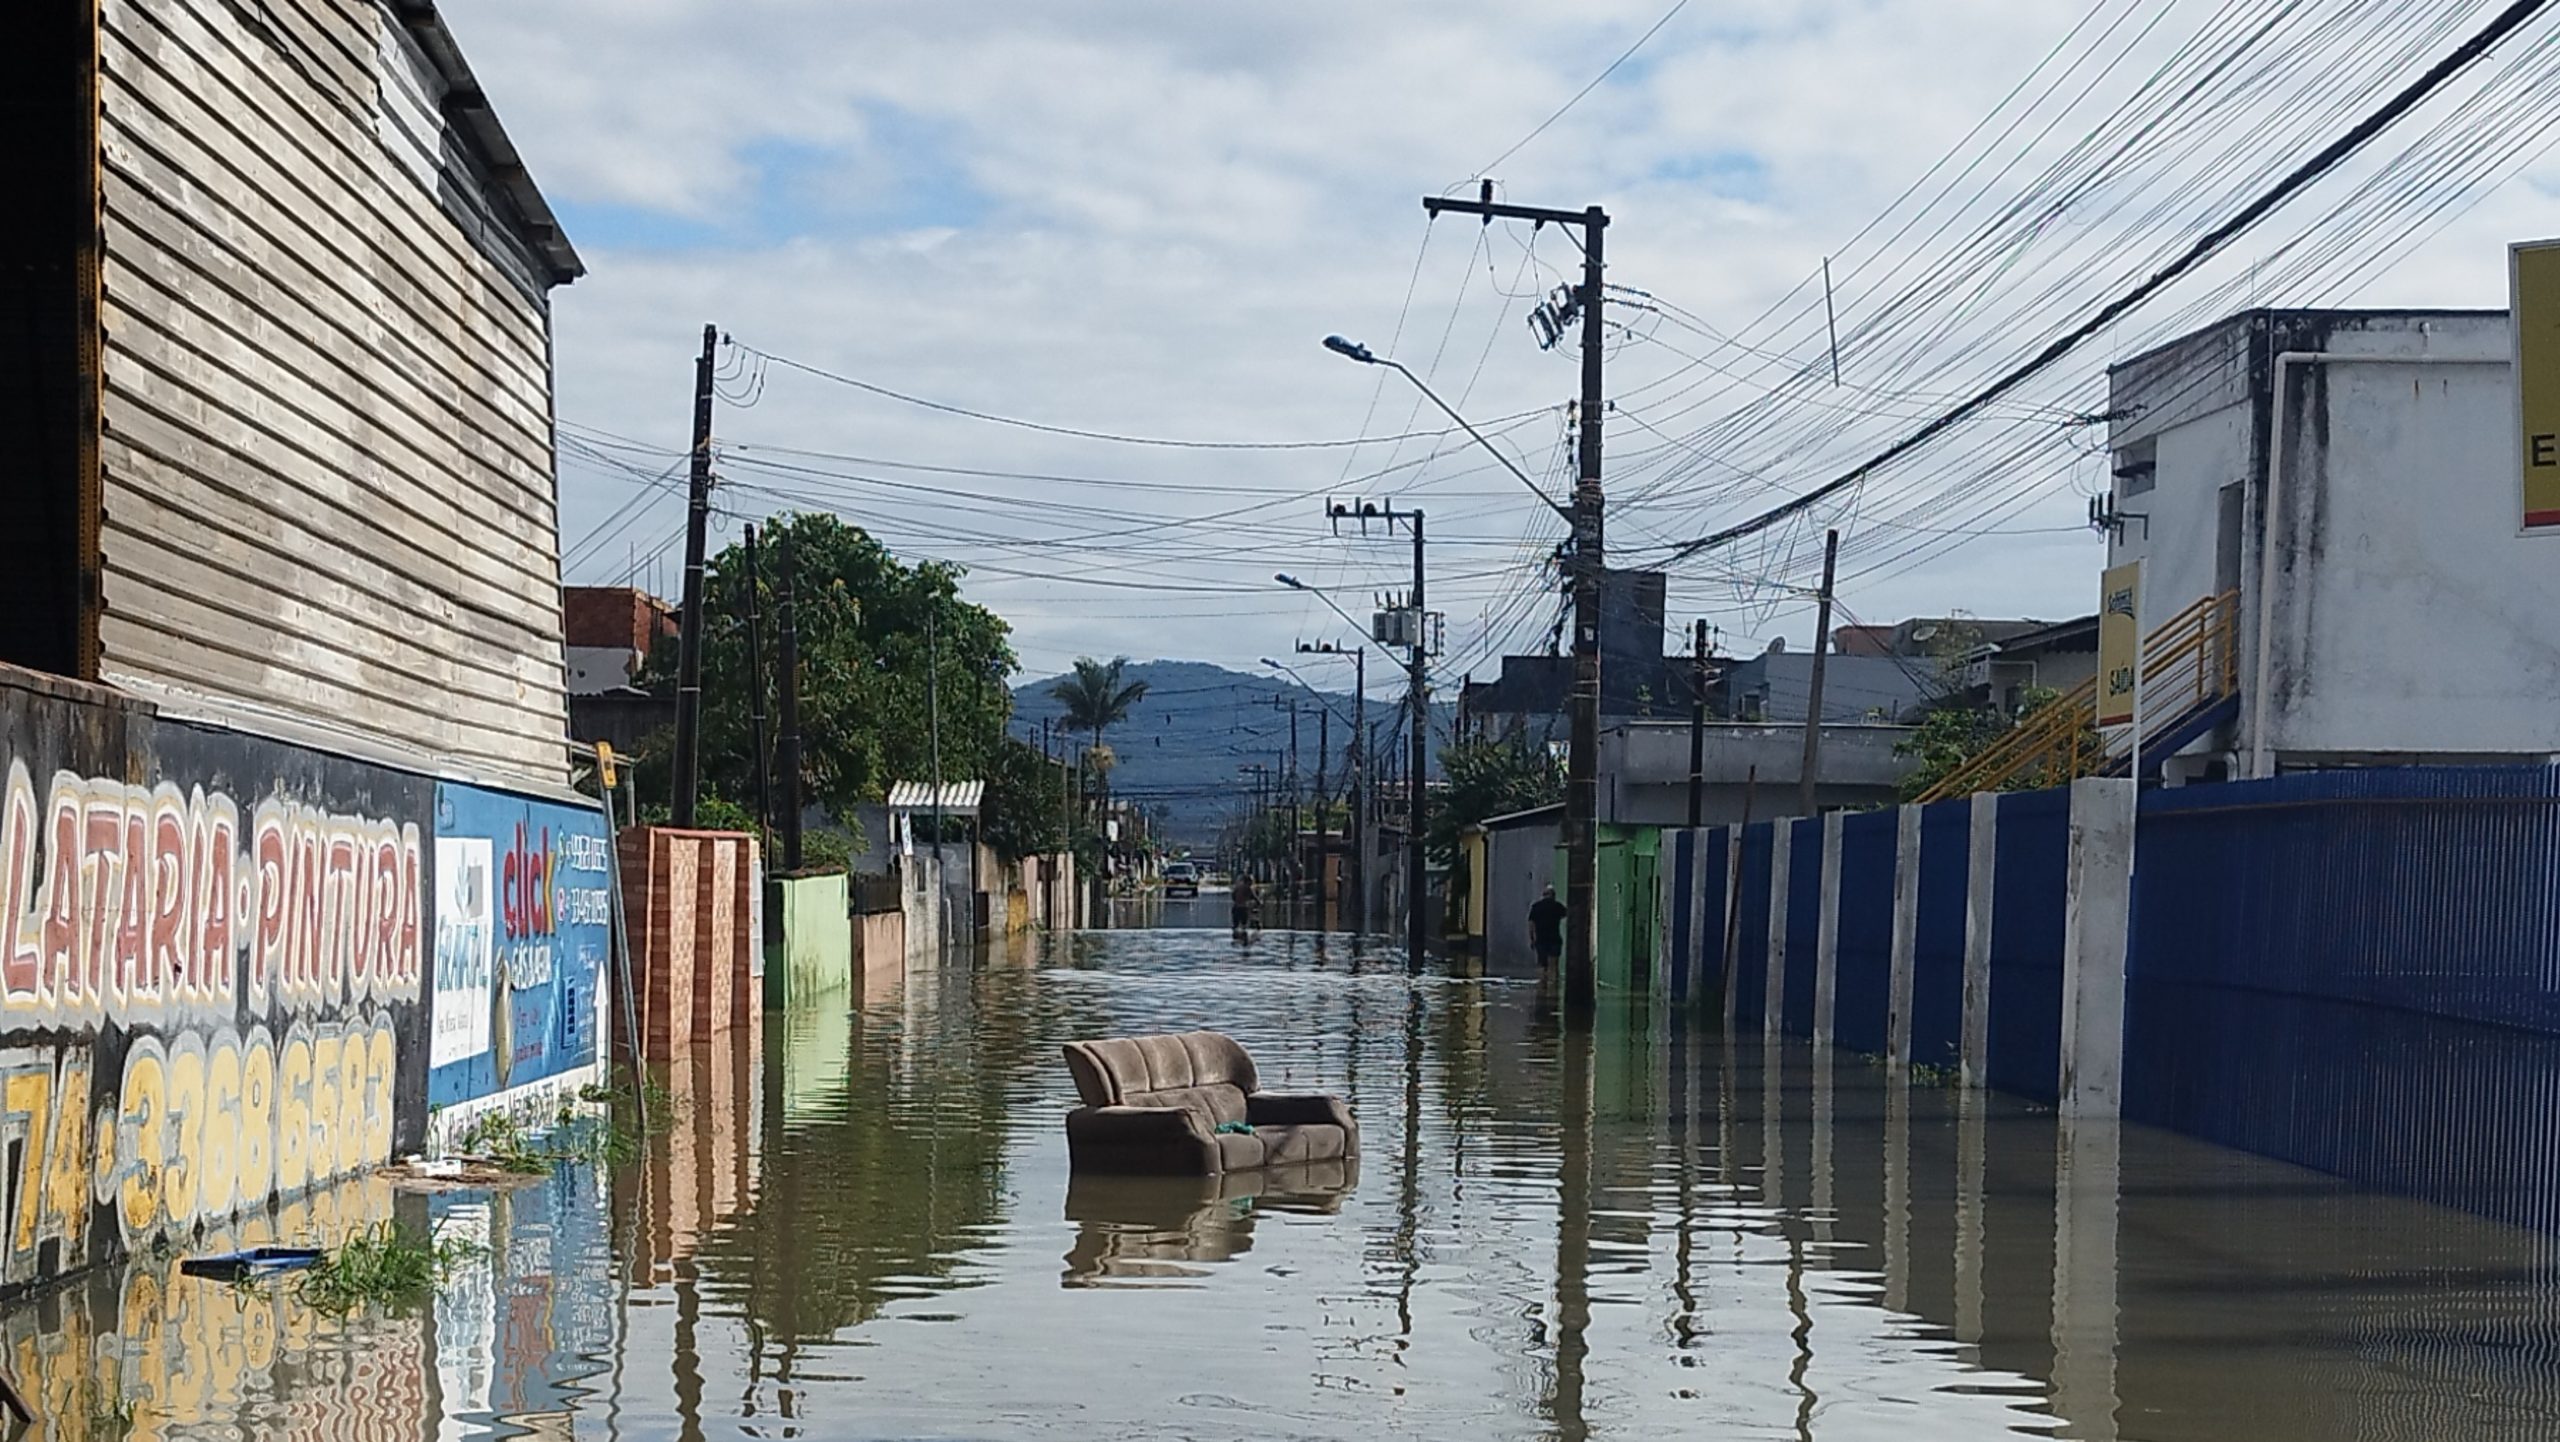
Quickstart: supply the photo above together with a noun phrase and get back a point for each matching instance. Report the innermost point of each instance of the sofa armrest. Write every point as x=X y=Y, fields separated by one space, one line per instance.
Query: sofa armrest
x=1298 y=1109
x=1164 y=1140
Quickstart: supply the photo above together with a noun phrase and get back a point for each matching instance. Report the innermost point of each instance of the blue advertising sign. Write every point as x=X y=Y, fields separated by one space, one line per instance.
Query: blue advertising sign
x=522 y=928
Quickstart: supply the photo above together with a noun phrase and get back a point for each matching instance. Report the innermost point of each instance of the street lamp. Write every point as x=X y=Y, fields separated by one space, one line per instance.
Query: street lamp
x=1354 y=350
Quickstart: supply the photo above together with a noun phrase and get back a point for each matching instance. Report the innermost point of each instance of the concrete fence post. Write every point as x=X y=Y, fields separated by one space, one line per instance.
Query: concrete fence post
x=2097 y=913
x=1980 y=869
x=1826 y=946
x=1906 y=937
x=1773 y=1017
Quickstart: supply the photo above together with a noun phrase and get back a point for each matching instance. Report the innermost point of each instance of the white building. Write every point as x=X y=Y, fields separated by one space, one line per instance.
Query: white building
x=2393 y=612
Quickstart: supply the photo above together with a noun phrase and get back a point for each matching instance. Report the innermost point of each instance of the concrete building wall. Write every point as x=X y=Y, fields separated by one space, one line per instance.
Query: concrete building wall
x=2406 y=616
x=1644 y=771
x=1520 y=862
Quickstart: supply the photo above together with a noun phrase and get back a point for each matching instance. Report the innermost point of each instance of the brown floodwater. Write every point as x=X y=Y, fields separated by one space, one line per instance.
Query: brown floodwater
x=1635 y=1230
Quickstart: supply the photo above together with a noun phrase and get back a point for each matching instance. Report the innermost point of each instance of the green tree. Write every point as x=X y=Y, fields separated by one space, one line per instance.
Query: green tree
x=869 y=625
x=1096 y=698
x=1485 y=779
x=1951 y=736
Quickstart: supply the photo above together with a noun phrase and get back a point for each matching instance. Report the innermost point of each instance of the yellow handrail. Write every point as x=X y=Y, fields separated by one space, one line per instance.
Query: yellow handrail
x=2190 y=660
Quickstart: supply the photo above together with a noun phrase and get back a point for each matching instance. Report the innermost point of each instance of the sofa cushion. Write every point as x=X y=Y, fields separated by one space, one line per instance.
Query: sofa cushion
x=1238 y=1151
x=1313 y=1142
x=1213 y=1104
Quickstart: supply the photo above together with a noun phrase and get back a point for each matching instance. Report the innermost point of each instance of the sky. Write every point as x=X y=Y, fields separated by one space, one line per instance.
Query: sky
x=1139 y=219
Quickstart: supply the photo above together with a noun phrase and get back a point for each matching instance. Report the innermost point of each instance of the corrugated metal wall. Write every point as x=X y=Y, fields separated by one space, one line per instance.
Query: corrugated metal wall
x=1751 y=934
x=2031 y=859
x=2358 y=971
x=328 y=466
x=1937 y=961
x=1869 y=846
x=1804 y=925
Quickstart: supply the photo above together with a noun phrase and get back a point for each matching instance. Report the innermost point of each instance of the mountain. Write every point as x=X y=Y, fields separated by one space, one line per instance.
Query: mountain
x=1184 y=745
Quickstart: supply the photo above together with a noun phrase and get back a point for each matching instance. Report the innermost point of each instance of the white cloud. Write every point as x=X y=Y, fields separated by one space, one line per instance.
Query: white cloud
x=1141 y=215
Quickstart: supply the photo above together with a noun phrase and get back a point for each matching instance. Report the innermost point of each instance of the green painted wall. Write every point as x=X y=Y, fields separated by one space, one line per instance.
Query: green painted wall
x=816 y=949
x=1630 y=896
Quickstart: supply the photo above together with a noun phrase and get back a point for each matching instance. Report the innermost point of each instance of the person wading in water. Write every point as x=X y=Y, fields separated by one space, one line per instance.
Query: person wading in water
x=1241 y=900
x=1546 y=928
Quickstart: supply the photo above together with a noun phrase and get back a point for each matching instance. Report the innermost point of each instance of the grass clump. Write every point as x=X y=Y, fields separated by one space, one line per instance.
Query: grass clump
x=382 y=1266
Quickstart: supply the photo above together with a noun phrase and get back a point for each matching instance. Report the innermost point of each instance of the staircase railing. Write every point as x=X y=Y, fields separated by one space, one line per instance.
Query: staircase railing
x=2191 y=661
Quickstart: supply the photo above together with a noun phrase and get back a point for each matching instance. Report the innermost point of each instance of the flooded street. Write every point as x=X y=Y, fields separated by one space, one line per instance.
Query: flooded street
x=869 y=1230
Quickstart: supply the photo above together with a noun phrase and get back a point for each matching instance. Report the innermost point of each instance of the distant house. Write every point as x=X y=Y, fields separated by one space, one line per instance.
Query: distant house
x=1533 y=695
x=609 y=632
x=2057 y=658
x=1777 y=686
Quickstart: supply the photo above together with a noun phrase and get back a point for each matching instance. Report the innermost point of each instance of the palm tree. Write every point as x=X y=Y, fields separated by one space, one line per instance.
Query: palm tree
x=1094 y=699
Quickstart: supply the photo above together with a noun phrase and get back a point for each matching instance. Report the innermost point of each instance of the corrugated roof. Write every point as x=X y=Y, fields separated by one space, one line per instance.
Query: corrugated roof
x=959 y=798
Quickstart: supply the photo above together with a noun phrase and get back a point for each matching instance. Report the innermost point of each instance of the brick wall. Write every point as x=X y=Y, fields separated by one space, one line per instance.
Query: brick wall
x=691 y=903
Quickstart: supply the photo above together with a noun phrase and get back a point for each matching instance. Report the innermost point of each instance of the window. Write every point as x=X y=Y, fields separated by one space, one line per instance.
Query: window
x=2136 y=467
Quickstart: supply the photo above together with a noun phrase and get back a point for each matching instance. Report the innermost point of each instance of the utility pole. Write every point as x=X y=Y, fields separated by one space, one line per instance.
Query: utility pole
x=1590 y=571
x=1416 y=903
x=792 y=857
x=1813 y=702
x=1324 y=743
x=697 y=525
x=1418 y=701
x=933 y=740
x=1698 y=727
x=1356 y=766
x=755 y=673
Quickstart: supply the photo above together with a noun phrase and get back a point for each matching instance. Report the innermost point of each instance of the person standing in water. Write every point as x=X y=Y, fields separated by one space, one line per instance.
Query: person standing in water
x=1241 y=900
x=1546 y=928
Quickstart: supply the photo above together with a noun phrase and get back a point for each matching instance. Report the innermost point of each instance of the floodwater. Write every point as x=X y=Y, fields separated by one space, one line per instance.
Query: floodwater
x=866 y=1229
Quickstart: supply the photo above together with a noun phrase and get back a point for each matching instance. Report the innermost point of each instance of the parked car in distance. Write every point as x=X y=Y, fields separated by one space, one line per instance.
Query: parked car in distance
x=1181 y=878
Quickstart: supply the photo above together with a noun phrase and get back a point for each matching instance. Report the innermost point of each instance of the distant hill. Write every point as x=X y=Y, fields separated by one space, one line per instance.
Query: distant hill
x=1183 y=746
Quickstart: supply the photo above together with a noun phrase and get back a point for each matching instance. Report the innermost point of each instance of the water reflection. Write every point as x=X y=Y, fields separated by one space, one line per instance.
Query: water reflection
x=865 y=1225
x=1158 y=1229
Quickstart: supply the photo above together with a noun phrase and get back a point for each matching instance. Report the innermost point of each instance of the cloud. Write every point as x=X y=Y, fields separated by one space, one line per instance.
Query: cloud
x=1141 y=215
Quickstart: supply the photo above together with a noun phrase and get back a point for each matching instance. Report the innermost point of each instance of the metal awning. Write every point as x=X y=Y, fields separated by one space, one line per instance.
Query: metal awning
x=959 y=798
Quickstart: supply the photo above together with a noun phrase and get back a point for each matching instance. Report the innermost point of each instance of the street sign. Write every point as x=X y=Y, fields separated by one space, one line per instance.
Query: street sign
x=2119 y=643
x=2533 y=302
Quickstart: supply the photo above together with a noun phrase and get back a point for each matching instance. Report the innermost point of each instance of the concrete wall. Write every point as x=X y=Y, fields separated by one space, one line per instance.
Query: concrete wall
x=2407 y=618
x=921 y=902
x=1520 y=863
x=233 y=969
x=880 y=944
x=815 y=958
x=1644 y=771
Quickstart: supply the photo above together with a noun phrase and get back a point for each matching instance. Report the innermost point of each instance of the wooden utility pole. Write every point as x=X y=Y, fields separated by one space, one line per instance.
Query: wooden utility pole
x=1813 y=701
x=697 y=526
x=792 y=856
x=755 y=673
x=1698 y=727
x=1590 y=572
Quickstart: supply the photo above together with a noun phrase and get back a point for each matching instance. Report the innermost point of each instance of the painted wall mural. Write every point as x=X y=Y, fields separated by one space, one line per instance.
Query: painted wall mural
x=523 y=924
x=230 y=966
x=212 y=950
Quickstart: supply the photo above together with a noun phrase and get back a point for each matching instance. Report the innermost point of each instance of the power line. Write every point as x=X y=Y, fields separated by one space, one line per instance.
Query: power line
x=1092 y=435
x=1578 y=96
x=2327 y=159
